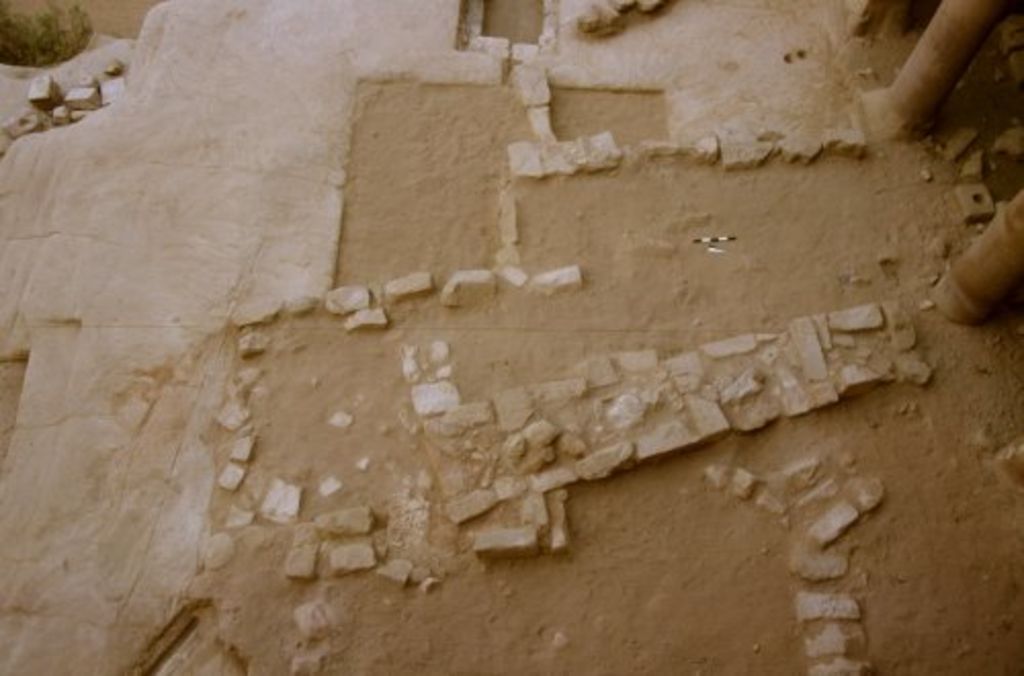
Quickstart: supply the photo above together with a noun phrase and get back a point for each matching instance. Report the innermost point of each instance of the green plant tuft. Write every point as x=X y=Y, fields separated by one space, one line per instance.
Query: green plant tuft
x=47 y=37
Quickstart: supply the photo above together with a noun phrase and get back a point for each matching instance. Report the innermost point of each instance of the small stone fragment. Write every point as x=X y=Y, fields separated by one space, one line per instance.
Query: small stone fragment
x=252 y=342
x=440 y=352
x=471 y=505
x=233 y=416
x=743 y=483
x=833 y=524
x=300 y=562
x=44 y=93
x=666 y=438
x=973 y=168
x=330 y=486
x=61 y=116
x=975 y=202
x=817 y=566
x=861 y=318
x=26 y=122
x=866 y=493
x=314 y=619
x=603 y=462
x=1010 y=143
x=625 y=411
x=83 y=98
x=706 y=150
x=241 y=449
x=769 y=502
x=238 y=518
x=515 y=276
x=599 y=19
x=730 y=347
x=812 y=606
x=396 y=570
x=508 y=487
x=554 y=281
x=347 y=299
x=114 y=68
x=468 y=287
x=570 y=445
x=410 y=286
x=707 y=418
x=559 y=532
x=745 y=386
x=799 y=149
x=231 y=477
x=281 y=503
x=540 y=434
x=345 y=559
x=431 y=399
x=506 y=543
x=340 y=419
x=367 y=319
x=342 y=522
x=911 y=368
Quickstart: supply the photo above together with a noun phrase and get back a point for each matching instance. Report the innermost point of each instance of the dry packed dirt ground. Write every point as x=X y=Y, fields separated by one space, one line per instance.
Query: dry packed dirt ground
x=663 y=573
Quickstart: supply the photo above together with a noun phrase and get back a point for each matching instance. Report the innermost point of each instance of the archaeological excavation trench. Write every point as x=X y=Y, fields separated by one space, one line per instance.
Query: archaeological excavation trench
x=495 y=336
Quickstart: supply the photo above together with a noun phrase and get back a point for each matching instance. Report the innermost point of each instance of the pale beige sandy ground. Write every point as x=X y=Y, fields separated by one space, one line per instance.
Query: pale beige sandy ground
x=663 y=576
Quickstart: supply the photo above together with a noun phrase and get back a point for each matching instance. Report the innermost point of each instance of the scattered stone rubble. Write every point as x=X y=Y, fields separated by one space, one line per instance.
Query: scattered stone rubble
x=602 y=18
x=50 y=107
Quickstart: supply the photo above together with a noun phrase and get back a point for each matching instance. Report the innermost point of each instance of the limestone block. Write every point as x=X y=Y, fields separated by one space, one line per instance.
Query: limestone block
x=636 y=361
x=686 y=370
x=531 y=84
x=431 y=399
x=238 y=518
x=812 y=606
x=847 y=142
x=497 y=47
x=972 y=170
x=598 y=371
x=533 y=512
x=743 y=483
x=314 y=619
x=743 y=387
x=551 y=479
x=349 y=521
x=706 y=418
x=44 y=92
x=666 y=438
x=957 y=143
x=341 y=420
x=300 y=561
x=753 y=415
x=231 y=477
x=603 y=462
x=112 y=90
x=539 y=118
x=730 y=347
x=600 y=19
x=559 y=391
x=345 y=559
x=524 y=53
x=252 y=342
x=347 y=299
x=861 y=318
x=83 y=98
x=558 y=538
x=514 y=407
x=769 y=502
x=396 y=570
x=564 y=158
x=739 y=155
x=855 y=379
x=281 y=503
x=601 y=152
x=362 y=320
x=975 y=202
x=625 y=411
x=817 y=566
x=525 y=160
x=329 y=486
x=410 y=286
x=833 y=523
x=506 y=543
x=799 y=149
x=241 y=449
x=540 y=434
x=554 y=281
x=840 y=666
x=805 y=341
x=468 y=287
x=233 y=415
x=515 y=276
x=866 y=493
x=902 y=334
x=835 y=639
x=471 y=505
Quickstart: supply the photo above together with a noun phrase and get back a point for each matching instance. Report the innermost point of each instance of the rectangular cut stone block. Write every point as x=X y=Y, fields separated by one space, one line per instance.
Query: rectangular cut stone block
x=514 y=275
x=350 y=521
x=300 y=562
x=111 y=90
x=835 y=639
x=600 y=152
x=533 y=512
x=730 y=347
x=753 y=414
x=833 y=523
x=804 y=335
x=559 y=391
x=551 y=479
x=531 y=84
x=855 y=379
x=506 y=543
x=816 y=566
x=345 y=559
x=430 y=399
x=468 y=287
x=241 y=449
x=347 y=299
x=958 y=142
x=666 y=438
x=514 y=407
x=637 y=361
x=840 y=666
x=739 y=155
x=43 y=92
x=598 y=371
x=812 y=606
x=558 y=538
x=281 y=503
x=396 y=570
x=539 y=118
x=861 y=318
x=362 y=320
x=603 y=462
x=687 y=371
x=410 y=286
x=524 y=159
x=975 y=202
x=706 y=418
x=471 y=505
x=83 y=98
x=554 y=281
x=231 y=477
